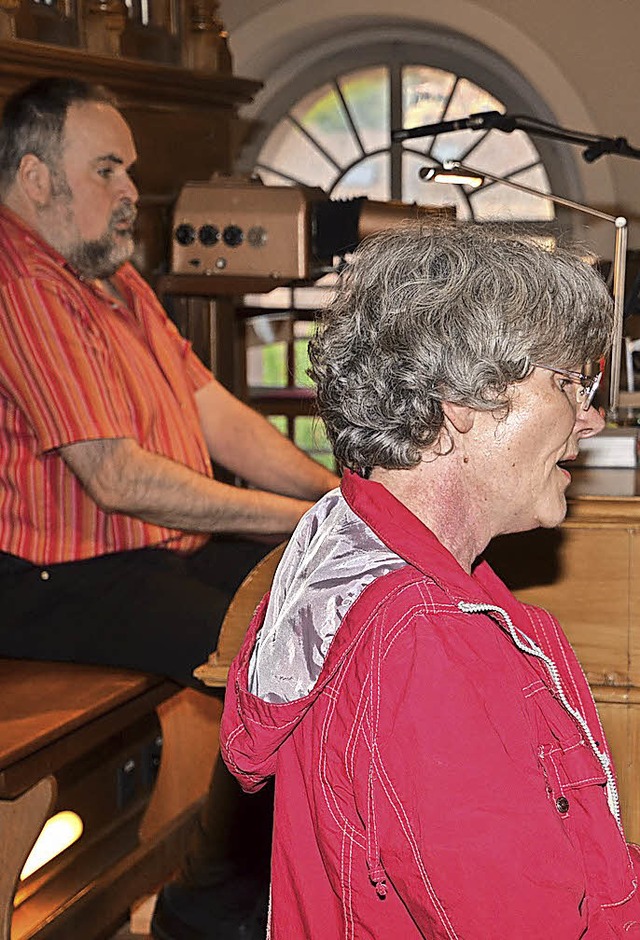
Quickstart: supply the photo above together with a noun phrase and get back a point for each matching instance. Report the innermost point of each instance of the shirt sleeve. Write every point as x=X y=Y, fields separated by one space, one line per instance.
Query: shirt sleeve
x=196 y=372
x=456 y=802
x=55 y=368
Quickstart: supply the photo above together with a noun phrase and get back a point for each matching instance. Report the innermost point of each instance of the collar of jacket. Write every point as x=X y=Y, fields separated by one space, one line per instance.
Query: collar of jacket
x=410 y=538
x=407 y=536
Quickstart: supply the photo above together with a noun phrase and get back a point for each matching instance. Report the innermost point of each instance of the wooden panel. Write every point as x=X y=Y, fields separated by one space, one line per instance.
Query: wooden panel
x=96 y=912
x=51 y=714
x=20 y=823
x=581 y=575
x=39 y=702
x=174 y=148
x=190 y=722
x=634 y=607
x=234 y=626
x=622 y=728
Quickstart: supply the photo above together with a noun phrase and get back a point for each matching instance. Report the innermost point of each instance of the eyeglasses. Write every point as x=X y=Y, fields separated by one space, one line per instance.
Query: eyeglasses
x=586 y=385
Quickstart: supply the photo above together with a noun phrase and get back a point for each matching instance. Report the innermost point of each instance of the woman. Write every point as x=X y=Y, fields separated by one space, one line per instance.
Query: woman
x=440 y=768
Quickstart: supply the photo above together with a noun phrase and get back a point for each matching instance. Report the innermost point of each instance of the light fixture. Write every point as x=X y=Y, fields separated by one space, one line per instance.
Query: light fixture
x=453 y=171
x=58 y=833
x=439 y=174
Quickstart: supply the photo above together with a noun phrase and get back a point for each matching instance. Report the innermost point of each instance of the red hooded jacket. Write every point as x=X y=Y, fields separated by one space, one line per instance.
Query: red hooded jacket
x=440 y=767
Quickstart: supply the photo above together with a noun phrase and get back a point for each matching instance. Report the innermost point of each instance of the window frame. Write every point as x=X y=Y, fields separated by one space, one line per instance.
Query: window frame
x=396 y=46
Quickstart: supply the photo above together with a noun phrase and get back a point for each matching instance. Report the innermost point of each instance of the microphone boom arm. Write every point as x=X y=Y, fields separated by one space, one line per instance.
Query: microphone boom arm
x=595 y=145
x=619 y=265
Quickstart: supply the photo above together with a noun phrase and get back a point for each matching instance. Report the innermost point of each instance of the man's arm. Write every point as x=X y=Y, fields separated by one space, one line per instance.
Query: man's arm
x=247 y=444
x=123 y=477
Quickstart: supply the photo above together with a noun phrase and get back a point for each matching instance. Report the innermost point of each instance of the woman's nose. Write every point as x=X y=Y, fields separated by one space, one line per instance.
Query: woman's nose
x=589 y=422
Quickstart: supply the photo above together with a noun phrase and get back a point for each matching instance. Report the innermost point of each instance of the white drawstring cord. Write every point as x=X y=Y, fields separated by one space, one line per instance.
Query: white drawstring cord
x=532 y=649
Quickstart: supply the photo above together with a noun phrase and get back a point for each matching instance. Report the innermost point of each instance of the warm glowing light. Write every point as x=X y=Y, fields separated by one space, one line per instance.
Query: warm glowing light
x=58 y=833
x=435 y=175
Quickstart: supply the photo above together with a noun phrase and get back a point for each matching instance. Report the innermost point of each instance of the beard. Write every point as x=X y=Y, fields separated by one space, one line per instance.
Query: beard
x=101 y=257
x=96 y=258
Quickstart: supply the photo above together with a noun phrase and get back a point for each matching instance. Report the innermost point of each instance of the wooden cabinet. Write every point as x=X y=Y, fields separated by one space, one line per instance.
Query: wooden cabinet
x=587 y=573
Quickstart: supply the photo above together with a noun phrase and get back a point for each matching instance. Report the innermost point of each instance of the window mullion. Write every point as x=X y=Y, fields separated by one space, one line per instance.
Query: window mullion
x=396 y=119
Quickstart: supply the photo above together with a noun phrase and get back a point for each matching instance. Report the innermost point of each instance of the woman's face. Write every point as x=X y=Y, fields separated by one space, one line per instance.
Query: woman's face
x=522 y=481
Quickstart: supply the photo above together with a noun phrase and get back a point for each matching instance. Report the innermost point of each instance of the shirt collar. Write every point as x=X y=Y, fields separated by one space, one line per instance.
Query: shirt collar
x=25 y=232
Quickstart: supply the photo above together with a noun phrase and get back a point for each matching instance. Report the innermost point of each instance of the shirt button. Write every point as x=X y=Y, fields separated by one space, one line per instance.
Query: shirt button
x=562 y=805
x=44 y=575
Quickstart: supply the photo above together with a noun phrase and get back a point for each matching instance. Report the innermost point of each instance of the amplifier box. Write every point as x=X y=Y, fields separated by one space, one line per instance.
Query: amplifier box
x=238 y=226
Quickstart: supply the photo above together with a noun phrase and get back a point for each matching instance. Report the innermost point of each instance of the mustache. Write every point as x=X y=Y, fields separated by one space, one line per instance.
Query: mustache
x=127 y=212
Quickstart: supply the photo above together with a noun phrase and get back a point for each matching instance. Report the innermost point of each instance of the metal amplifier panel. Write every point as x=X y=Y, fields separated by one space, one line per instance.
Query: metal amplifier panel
x=237 y=226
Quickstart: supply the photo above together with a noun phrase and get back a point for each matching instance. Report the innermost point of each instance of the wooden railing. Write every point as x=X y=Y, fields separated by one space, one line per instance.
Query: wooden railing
x=173 y=32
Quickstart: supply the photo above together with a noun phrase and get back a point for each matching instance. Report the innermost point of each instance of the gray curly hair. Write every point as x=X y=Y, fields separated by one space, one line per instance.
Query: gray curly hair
x=445 y=311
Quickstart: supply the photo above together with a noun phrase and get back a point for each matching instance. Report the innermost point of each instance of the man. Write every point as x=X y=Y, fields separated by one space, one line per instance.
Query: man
x=107 y=426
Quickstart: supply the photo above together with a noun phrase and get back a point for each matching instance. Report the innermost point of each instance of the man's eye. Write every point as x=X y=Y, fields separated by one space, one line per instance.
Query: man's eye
x=105 y=172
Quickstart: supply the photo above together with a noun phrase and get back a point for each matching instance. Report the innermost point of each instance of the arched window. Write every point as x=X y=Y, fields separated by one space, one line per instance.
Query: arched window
x=338 y=137
x=325 y=120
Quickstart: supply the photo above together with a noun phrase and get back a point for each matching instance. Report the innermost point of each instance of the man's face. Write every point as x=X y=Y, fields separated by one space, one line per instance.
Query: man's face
x=89 y=218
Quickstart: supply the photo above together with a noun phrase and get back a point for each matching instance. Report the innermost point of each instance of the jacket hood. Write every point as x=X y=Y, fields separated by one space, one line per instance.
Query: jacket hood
x=303 y=632
x=300 y=633
x=294 y=645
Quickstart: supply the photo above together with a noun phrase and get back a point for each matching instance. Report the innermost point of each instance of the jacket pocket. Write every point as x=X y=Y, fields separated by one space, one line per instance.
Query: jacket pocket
x=576 y=786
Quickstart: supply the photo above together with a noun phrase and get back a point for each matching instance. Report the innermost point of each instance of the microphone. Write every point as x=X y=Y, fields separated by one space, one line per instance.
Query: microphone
x=473 y=122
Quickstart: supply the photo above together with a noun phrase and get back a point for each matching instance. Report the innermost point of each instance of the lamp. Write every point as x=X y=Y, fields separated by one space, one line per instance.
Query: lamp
x=452 y=171
x=58 y=833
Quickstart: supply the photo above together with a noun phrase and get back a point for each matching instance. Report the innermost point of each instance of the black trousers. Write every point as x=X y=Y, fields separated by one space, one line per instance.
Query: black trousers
x=149 y=610
x=152 y=611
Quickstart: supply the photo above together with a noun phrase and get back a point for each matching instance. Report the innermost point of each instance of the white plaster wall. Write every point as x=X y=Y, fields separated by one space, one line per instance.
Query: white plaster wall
x=581 y=56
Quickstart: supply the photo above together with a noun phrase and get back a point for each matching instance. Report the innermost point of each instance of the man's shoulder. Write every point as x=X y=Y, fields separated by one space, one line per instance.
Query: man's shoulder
x=24 y=258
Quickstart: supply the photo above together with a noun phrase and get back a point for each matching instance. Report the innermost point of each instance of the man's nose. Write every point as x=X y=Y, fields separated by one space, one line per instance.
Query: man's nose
x=129 y=190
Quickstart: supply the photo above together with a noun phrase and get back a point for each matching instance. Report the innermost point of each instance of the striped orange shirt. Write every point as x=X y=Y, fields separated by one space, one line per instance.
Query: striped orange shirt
x=77 y=365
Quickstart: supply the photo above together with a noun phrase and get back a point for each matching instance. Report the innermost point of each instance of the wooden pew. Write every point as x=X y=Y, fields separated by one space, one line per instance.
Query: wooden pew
x=234 y=626
x=132 y=754
x=89 y=739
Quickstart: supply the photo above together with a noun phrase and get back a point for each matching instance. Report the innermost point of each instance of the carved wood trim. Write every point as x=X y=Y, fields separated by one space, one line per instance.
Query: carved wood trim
x=151 y=84
x=21 y=821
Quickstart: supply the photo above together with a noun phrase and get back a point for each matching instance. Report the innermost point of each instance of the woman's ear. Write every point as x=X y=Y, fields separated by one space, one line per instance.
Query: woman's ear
x=460 y=416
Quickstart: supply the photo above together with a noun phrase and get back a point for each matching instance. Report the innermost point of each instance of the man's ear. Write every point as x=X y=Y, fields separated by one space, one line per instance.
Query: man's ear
x=460 y=416
x=34 y=178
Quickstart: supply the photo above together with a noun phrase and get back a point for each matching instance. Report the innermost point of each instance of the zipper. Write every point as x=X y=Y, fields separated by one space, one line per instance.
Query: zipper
x=526 y=645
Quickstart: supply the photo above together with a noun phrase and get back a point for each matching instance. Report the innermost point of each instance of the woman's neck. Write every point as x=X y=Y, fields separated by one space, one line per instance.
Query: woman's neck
x=441 y=492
